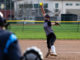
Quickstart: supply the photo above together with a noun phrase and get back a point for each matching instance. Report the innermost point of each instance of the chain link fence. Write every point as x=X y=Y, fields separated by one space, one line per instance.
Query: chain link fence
x=19 y=12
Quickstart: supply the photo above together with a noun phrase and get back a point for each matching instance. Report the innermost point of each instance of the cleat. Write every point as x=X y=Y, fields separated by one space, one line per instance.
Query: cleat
x=48 y=53
x=53 y=54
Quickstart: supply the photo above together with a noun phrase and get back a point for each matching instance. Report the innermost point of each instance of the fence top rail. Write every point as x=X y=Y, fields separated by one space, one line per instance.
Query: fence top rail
x=36 y=21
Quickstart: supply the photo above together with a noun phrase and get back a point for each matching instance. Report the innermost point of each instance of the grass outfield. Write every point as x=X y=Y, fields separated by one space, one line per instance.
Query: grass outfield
x=36 y=31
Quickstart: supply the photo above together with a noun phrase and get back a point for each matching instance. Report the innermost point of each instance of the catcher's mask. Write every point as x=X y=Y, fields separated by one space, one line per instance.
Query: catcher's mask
x=33 y=53
x=2 y=21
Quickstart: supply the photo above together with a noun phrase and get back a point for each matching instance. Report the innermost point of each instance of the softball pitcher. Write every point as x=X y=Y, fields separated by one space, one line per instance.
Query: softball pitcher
x=51 y=37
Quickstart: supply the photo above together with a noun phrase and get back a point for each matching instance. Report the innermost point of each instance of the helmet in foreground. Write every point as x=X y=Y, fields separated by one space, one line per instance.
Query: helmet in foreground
x=33 y=53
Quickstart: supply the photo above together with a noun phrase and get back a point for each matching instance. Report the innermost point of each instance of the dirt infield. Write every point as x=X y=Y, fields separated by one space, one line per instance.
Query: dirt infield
x=66 y=49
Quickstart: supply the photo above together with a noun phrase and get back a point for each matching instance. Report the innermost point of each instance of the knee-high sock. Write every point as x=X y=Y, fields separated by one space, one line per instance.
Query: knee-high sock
x=53 y=49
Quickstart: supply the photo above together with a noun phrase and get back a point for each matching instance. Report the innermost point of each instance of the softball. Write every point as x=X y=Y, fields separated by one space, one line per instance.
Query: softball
x=41 y=4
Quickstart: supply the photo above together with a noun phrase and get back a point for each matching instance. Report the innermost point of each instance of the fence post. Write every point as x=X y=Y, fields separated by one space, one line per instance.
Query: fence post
x=78 y=27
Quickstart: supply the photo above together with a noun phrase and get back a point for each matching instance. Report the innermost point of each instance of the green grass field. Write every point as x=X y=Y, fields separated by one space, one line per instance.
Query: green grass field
x=36 y=31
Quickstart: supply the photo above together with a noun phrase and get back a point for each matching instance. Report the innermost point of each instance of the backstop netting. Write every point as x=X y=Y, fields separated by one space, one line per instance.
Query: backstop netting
x=30 y=29
x=26 y=19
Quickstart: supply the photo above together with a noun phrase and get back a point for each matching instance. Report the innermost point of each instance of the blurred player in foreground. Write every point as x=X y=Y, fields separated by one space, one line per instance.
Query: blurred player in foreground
x=9 y=47
x=51 y=37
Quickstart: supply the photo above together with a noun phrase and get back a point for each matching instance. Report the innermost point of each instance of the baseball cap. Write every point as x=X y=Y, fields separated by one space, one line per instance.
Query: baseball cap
x=2 y=21
x=1 y=14
x=47 y=16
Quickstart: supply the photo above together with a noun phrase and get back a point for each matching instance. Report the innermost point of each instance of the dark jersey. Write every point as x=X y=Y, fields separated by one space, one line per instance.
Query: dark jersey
x=9 y=48
x=47 y=27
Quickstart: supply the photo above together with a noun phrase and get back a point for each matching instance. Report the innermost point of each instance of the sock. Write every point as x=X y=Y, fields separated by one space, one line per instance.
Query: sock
x=53 y=49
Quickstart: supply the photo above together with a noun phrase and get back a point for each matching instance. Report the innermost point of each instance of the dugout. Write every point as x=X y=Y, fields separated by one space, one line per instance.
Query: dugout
x=69 y=17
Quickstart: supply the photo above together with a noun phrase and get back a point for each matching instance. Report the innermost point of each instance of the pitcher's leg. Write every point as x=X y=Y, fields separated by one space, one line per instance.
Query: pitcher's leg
x=48 y=46
x=53 y=49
